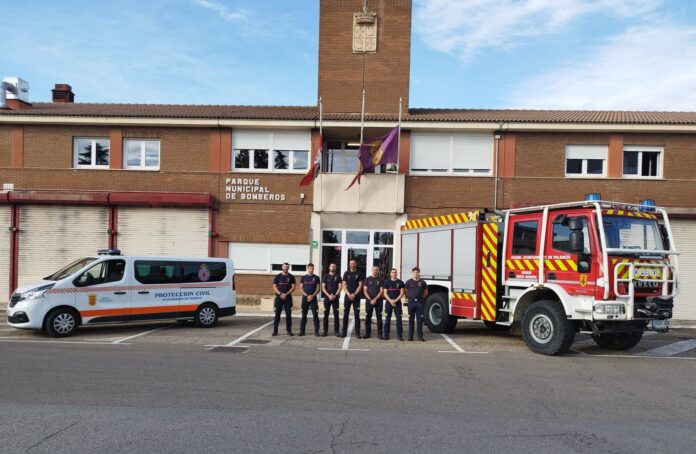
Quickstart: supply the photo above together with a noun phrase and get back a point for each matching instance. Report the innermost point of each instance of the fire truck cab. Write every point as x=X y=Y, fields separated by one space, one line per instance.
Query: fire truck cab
x=605 y=268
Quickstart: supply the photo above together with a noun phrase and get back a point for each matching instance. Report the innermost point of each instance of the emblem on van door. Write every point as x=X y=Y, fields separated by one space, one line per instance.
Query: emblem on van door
x=92 y=300
x=203 y=273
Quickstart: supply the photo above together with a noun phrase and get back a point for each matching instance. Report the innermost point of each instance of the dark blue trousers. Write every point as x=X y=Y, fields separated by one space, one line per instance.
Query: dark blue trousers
x=377 y=309
x=306 y=307
x=398 y=310
x=415 y=310
x=279 y=305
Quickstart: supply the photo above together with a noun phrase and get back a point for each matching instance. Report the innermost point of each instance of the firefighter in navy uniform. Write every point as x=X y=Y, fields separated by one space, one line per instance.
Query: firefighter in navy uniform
x=309 y=286
x=373 y=302
x=331 y=289
x=352 y=286
x=283 y=286
x=417 y=291
x=393 y=291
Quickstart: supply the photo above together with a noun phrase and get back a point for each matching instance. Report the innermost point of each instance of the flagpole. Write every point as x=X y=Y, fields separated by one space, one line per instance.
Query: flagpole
x=321 y=147
x=398 y=155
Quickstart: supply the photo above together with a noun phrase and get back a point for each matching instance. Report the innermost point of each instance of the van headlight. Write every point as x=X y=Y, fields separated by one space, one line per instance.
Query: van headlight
x=610 y=309
x=35 y=293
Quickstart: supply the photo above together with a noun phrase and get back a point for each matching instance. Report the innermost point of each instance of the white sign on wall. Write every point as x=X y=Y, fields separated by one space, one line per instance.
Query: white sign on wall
x=250 y=189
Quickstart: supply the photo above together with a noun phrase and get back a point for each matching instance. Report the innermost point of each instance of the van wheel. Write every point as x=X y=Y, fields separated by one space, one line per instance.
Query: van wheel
x=437 y=314
x=206 y=316
x=618 y=341
x=61 y=323
x=545 y=328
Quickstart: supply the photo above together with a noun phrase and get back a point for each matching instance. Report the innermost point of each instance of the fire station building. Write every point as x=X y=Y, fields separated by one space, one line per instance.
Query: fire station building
x=223 y=181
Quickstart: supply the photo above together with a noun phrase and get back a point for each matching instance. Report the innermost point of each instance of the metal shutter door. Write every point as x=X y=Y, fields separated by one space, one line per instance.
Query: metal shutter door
x=163 y=231
x=5 y=238
x=51 y=236
x=685 y=236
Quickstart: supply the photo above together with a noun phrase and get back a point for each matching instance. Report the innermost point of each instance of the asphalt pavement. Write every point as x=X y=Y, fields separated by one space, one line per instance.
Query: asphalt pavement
x=175 y=388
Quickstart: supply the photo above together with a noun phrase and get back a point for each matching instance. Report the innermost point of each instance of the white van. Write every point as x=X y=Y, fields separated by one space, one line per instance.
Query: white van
x=111 y=288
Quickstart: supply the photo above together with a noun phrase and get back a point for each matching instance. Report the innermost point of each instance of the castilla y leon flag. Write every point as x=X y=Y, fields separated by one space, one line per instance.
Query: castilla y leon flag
x=377 y=151
x=314 y=168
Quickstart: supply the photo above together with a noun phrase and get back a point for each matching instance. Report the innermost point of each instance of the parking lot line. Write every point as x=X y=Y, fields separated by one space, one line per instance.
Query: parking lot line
x=456 y=347
x=244 y=337
x=671 y=349
x=47 y=341
x=123 y=339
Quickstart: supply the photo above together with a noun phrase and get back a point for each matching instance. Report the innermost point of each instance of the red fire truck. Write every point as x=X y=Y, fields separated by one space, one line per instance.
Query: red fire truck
x=608 y=269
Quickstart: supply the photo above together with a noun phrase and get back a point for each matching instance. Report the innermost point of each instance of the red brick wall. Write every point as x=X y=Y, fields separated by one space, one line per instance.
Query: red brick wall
x=430 y=196
x=386 y=71
x=5 y=146
x=51 y=147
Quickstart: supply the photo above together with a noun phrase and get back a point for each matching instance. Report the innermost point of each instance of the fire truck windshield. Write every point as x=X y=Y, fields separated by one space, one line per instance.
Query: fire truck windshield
x=624 y=232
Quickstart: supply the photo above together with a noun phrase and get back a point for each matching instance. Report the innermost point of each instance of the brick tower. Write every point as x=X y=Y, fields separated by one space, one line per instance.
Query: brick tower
x=364 y=44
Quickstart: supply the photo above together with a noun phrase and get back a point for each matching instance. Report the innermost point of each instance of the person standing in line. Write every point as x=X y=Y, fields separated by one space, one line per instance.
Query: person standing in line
x=417 y=292
x=373 y=302
x=331 y=289
x=283 y=286
x=393 y=290
x=309 y=286
x=352 y=286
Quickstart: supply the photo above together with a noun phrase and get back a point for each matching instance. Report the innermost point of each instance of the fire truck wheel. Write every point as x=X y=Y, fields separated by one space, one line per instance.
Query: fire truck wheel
x=206 y=315
x=437 y=314
x=545 y=328
x=618 y=341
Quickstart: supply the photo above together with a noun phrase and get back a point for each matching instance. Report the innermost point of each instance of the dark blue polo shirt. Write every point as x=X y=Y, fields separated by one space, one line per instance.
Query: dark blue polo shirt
x=373 y=284
x=415 y=289
x=310 y=283
x=284 y=282
x=332 y=283
x=353 y=279
x=393 y=288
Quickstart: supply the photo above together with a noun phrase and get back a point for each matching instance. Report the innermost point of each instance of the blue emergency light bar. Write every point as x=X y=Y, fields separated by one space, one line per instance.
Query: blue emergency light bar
x=647 y=205
x=109 y=252
x=593 y=196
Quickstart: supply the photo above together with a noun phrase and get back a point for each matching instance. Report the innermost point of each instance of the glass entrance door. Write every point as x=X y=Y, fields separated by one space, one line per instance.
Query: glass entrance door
x=368 y=247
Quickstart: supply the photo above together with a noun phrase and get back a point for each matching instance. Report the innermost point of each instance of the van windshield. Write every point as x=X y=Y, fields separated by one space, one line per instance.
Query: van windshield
x=70 y=269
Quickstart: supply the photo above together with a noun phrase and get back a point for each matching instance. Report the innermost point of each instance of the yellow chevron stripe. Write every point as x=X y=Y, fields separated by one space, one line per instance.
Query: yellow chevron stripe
x=484 y=314
x=549 y=265
x=488 y=246
x=571 y=263
x=510 y=265
x=530 y=264
x=561 y=265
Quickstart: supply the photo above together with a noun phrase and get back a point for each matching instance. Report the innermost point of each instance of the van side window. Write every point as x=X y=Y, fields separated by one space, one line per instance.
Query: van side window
x=524 y=238
x=102 y=273
x=203 y=271
x=155 y=272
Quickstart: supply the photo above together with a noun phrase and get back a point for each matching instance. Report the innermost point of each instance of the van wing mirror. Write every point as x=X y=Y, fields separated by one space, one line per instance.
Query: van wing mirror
x=665 y=236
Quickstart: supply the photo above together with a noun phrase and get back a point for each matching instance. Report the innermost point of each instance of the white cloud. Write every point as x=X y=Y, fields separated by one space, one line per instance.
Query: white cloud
x=465 y=28
x=223 y=11
x=650 y=67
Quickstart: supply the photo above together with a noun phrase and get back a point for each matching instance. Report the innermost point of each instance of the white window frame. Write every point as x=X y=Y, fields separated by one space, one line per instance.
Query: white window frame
x=583 y=171
x=142 y=154
x=640 y=149
x=93 y=155
x=265 y=249
x=450 y=170
x=271 y=156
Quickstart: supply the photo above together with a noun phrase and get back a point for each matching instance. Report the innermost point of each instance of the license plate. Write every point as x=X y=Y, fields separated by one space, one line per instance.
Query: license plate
x=659 y=325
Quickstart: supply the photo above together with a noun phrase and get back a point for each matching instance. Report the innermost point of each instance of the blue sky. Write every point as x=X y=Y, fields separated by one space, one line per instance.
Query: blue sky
x=546 y=54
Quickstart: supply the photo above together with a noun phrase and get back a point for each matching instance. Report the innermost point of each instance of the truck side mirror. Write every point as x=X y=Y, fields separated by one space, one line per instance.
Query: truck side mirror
x=577 y=241
x=665 y=236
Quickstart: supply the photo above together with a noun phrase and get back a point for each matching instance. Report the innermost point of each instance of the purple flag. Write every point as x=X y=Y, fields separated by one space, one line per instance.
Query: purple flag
x=377 y=151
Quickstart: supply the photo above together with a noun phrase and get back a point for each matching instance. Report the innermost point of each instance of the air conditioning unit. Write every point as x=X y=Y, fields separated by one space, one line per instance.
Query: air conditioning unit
x=16 y=88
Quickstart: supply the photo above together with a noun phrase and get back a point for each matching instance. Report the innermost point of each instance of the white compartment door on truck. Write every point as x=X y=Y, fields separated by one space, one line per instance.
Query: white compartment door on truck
x=434 y=254
x=163 y=231
x=464 y=260
x=52 y=236
x=5 y=238
x=409 y=254
x=684 y=231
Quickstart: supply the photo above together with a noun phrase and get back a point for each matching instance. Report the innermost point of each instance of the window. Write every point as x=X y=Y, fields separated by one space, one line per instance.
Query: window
x=268 y=258
x=142 y=154
x=452 y=154
x=587 y=161
x=91 y=153
x=561 y=235
x=524 y=238
x=155 y=272
x=202 y=271
x=264 y=151
x=642 y=162
x=341 y=156
x=102 y=273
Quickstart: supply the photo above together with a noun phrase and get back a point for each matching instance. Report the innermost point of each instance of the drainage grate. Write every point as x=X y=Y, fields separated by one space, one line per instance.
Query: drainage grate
x=256 y=341
x=233 y=349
